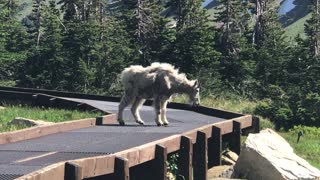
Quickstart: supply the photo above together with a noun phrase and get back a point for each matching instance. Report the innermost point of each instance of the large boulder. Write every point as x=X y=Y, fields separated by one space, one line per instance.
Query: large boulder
x=267 y=156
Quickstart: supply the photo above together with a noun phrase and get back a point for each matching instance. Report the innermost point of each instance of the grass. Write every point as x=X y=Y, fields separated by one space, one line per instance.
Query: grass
x=309 y=145
x=7 y=83
x=297 y=28
x=235 y=104
x=50 y=115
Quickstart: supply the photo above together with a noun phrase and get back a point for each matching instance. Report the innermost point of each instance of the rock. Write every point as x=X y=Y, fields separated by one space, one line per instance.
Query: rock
x=220 y=172
x=28 y=122
x=232 y=156
x=170 y=176
x=268 y=156
x=225 y=179
x=2 y=108
x=227 y=161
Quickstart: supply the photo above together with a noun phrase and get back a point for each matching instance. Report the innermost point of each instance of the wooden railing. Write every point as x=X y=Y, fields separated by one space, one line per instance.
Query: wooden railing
x=198 y=149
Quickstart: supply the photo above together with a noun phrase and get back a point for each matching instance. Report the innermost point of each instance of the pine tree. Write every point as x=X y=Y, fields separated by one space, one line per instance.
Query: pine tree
x=141 y=18
x=272 y=49
x=312 y=29
x=231 y=41
x=44 y=66
x=12 y=40
x=3 y=35
x=159 y=38
x=194 y=51
x=81 y=43
x=35 y=23
x=70 y=9
x=113 y=54
x=184 y=13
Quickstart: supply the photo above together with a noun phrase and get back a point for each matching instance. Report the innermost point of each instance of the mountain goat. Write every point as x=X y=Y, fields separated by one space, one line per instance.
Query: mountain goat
x=158 y=82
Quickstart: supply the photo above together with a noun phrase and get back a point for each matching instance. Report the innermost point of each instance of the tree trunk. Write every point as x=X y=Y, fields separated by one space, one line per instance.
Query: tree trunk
x=316 y=42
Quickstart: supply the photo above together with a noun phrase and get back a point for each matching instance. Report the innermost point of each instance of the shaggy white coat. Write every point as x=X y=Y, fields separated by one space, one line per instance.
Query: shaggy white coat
x=158 y=82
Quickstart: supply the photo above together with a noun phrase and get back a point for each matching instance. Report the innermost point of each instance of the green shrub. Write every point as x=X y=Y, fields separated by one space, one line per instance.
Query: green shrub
x=280 y=114
x=266 y=124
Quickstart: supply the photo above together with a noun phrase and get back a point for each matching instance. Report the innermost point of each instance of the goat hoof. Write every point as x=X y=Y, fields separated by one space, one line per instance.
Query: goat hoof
x=158 y=124
x=122 y=123
x=140 y=122
x=166 y=124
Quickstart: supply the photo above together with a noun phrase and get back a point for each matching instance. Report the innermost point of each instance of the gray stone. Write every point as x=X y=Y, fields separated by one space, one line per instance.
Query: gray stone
x=223 y=171
x=268 y=156
x=232 y=155
x=227 y=161
x=28 y=122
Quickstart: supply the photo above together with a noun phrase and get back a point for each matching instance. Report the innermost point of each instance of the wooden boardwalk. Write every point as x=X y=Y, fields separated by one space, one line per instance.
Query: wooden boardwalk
x=104 y=139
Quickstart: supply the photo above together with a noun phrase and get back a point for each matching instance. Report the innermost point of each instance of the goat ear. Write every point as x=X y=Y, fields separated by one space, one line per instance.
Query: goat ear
x=196 y=83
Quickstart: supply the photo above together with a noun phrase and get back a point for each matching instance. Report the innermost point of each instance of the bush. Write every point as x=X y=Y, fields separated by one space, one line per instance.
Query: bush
x=279 y=113
x=266 y=123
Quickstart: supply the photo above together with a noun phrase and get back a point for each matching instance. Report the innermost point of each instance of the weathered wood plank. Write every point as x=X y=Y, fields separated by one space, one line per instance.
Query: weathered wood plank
x=215 y=147
x=160 y=163
x=185 y=159
x=235 y=144
x=72 y=171
x=121 y=169
x=256 y=124
x=200 y=157
x=35 y=132
x=107 y=119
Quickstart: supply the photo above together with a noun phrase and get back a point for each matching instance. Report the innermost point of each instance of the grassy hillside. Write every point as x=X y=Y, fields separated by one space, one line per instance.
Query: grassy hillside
x=297 y=27
x=293 y=21
x=25 y=8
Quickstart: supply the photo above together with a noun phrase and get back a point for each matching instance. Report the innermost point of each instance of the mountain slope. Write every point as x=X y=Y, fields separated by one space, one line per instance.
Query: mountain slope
x=293 y=13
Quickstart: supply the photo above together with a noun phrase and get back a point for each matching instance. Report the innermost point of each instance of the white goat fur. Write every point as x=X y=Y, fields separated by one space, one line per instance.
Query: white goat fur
x=158 y=81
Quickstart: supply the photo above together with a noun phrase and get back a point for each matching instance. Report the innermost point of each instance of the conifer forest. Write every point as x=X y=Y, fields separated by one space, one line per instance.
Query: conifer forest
x=240 y=47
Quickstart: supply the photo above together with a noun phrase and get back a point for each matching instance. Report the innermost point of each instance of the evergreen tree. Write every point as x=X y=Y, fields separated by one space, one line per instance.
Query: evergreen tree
x=113 y=55
x=193 y=47
x=12 y=40
x=70 y=9
x=75 y=45
x=34 y=24
x=3 y=34
x=159 y=38
x=231 y=41
x=141 y=18
x=44 y=66
x=312 y=28
x=82 y=43
x=272 y=50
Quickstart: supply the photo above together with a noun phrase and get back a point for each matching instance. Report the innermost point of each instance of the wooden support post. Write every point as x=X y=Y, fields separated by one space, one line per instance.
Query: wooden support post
x=215 y=147
x=52 y=102
x=185 y=159
x=200 y=157
x=121 y=169
x=160 y=163
x=235 y=144
x=34 y=100
x=256 y=124
x=72 y=171
x=99 y=121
